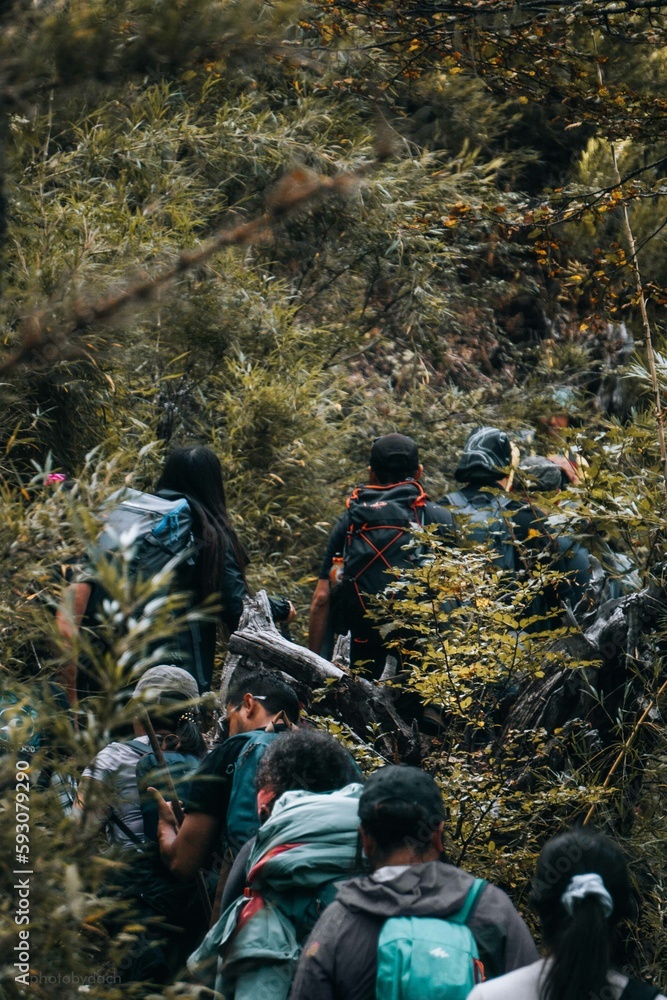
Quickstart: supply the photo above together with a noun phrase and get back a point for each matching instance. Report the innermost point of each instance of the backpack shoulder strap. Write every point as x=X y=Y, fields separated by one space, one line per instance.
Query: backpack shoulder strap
x=474 y=892
x=141 y=748
x=456 y=499
x=118 y=822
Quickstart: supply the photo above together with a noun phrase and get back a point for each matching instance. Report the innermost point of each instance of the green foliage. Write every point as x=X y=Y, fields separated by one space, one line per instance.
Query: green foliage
x=476 y=269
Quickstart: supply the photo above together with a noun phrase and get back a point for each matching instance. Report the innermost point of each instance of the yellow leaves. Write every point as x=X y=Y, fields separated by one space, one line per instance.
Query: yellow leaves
x=455 y=70
x=523 y=99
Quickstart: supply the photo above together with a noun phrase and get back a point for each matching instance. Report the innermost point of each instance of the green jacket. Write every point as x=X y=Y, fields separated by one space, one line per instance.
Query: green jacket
x=306 y=847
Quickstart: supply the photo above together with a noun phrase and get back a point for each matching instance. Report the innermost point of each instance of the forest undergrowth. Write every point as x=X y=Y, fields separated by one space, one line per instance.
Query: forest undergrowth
x=471 y=268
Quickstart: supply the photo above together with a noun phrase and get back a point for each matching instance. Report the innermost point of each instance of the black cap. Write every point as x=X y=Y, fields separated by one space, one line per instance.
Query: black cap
x=486 y=456
x=401 y=783
x=394 y=457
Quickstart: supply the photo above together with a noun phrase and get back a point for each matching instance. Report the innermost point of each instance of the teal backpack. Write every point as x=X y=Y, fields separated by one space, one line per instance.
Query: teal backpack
x=421 y=957
x=242 y=819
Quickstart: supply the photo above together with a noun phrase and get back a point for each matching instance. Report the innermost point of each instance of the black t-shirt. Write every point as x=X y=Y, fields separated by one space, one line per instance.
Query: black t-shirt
x=211 y=784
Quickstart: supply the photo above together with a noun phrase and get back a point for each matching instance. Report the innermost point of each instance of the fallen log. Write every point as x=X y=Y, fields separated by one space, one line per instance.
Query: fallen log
x=619 y=640
x=367 y=708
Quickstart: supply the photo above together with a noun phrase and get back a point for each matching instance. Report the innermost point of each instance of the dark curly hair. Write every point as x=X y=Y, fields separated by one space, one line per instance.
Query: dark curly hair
x=306 y=759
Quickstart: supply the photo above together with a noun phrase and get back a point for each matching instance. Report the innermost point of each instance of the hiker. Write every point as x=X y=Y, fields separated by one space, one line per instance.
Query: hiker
x=489 y=512
x=34 y=729
x=108 y=795
x=185 y=520
x=595 y=571
x=307 y=791
x=371 y=537
x=412 y=912
x=486 y=472
x=113 y=795
x=570 y=556
x=583 y=894
x=220 y=804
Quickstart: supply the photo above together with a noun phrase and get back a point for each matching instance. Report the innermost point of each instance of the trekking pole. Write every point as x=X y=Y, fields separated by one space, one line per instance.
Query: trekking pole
x=175 y=803
x=159 y=756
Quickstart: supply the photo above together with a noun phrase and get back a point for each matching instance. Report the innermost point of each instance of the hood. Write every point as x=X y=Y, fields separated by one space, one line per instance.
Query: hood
x=486 y=456
x=309 y=839
x=427 y=890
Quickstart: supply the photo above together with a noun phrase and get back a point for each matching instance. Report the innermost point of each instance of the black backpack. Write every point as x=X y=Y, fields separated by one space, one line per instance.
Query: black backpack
x=379 y=538
x=144 y=878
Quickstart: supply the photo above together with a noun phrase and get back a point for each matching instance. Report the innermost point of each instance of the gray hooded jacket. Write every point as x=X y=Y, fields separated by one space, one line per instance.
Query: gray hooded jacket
x=339 y=960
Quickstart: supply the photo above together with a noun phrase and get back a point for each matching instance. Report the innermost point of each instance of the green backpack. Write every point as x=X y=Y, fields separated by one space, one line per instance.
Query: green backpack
x=242 y=818
x=422 y=957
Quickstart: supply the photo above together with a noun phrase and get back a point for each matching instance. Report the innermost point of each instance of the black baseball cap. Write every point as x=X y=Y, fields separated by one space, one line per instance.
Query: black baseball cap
x=394 y=457
x=401 y=783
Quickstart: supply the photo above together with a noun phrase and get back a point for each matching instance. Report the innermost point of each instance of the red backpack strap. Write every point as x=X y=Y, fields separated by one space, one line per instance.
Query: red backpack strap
x=422 y=498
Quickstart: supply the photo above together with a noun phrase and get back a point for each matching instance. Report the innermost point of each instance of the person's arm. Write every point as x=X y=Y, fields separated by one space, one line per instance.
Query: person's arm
x=520 y=949
x=68 y=621
x=320 y=604
x=319 y=615
x=314 y=978
x=91 y=807
x=184 y=851
x=503 y=939
x=233 y=589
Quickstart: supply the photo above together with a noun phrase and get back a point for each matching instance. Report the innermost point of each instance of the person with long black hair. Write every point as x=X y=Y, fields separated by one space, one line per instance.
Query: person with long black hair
x=213 y=571
x=582 y=894
x=195 y=473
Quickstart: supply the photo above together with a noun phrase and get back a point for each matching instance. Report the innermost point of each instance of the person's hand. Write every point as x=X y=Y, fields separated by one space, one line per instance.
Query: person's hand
x=291 y=614
x=165 y=809
x=567 y=467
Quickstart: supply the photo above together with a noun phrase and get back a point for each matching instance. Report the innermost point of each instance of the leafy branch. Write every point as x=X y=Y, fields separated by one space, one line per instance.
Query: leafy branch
x=294 y=192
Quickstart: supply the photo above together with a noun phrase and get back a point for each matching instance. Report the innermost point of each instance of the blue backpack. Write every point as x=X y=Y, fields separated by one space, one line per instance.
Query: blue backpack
x=420 y=957
x=160 y=528
x=486 y=524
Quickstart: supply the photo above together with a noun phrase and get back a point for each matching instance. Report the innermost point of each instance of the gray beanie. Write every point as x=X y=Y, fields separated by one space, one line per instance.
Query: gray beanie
x=486 y=456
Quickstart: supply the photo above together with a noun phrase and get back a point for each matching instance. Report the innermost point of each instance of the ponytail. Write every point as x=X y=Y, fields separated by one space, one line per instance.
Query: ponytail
x=179 y=730
x=581 y=958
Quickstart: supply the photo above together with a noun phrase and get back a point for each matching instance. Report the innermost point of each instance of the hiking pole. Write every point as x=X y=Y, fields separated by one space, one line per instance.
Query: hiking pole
x=159 y=756
x=175 y=803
